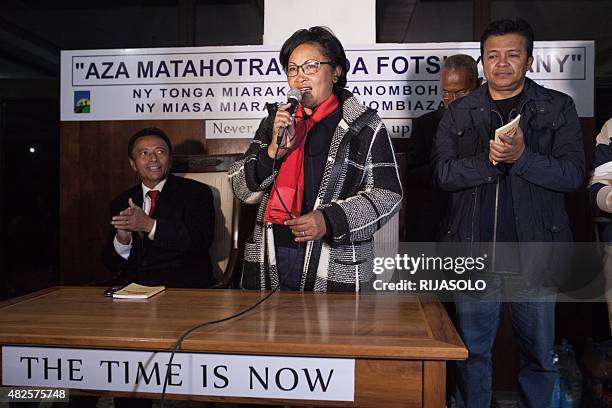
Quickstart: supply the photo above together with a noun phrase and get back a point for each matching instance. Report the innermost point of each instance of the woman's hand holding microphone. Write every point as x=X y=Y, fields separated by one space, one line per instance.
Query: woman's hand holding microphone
x=283 y=132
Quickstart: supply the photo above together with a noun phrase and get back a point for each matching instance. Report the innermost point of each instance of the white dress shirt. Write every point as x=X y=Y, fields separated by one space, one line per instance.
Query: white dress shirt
x=124 y=249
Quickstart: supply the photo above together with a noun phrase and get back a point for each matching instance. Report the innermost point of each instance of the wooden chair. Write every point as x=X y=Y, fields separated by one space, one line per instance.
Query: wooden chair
x=233 y=220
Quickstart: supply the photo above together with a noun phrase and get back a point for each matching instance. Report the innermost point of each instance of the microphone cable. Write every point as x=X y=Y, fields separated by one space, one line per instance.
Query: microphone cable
x=300 y=245
x=274 y=184
x=275 y=160
x=198 y=326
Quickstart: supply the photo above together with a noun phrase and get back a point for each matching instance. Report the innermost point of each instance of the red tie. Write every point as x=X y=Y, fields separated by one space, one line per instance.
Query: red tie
x=153 y=195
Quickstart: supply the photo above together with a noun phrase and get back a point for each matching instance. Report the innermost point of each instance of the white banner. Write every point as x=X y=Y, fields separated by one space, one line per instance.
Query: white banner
x=328 y=379
x=231 y=84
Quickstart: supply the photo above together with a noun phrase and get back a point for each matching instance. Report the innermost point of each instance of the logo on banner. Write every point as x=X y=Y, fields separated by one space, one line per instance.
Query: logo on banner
x=82 y=101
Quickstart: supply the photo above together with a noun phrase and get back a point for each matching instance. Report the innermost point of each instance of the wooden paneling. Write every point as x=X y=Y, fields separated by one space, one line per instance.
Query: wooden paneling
x=434 y=387
x=391 y=383
x=227 y=146
x=94 y=169
x=481 y=12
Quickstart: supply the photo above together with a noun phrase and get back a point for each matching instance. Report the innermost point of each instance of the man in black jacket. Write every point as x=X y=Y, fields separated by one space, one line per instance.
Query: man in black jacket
x=521 y=199
x=426 y=207
x=163 y=226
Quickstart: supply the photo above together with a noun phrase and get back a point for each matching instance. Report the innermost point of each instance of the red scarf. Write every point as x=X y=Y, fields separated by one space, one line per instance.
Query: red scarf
x=290 y=178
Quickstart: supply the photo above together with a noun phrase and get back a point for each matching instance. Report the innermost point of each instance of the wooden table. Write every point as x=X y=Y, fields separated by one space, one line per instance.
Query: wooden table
x=400 y=343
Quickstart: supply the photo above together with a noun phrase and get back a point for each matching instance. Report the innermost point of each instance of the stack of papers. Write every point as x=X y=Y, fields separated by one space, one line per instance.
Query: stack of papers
x=508 y=129
x=135 y=291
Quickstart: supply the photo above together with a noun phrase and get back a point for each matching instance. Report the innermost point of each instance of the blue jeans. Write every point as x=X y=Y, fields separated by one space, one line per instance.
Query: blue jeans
x=533 y=323
x=289 y=264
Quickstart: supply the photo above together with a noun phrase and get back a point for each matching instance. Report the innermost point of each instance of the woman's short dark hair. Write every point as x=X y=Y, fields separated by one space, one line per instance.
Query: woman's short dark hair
x=150 y=131
x=330 y=45
x=506 y=26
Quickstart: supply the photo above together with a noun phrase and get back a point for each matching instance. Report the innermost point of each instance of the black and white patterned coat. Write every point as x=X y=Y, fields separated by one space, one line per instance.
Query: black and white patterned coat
x=360 y=190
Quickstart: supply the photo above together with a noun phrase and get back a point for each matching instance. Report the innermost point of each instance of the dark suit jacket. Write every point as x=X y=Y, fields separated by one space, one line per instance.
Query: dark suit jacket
x=178 y=255
x=425 y=207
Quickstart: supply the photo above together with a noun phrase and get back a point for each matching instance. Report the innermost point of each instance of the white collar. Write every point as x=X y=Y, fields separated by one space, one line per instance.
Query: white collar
x=158 y=187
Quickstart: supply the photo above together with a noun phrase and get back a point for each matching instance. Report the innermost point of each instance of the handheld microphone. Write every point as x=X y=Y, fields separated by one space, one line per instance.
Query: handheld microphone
x=294 y=97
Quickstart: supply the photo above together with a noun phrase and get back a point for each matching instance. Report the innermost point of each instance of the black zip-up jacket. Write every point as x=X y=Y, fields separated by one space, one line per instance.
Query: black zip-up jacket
x=551 y=165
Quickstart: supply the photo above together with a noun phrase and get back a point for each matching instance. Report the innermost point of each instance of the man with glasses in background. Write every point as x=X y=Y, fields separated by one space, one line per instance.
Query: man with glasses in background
x=426 y=207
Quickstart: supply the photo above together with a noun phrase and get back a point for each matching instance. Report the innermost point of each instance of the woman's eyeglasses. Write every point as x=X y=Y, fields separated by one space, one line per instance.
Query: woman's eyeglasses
x=308 y=68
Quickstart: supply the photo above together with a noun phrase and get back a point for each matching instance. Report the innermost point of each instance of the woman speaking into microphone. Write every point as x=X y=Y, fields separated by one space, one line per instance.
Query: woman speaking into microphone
x=324 y=174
